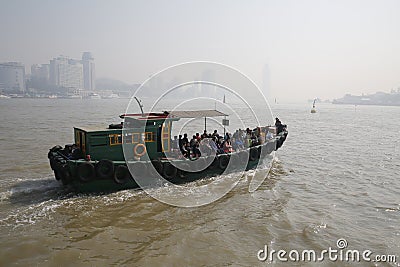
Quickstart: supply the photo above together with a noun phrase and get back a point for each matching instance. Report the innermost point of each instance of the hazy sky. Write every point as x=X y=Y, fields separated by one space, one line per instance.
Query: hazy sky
x=312 y=48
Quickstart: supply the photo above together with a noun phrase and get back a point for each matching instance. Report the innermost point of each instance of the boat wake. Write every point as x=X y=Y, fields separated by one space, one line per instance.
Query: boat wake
x=30 y=215
x=26 y=201
x=264 y=177
x=29 y=190
x=42 y=199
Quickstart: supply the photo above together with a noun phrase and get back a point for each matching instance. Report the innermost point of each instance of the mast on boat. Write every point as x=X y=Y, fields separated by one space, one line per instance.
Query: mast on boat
x=140 y=105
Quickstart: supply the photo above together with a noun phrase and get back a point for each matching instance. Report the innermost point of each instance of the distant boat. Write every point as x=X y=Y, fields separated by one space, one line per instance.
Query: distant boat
x=111 y=96
x=94 y=96
x=74 y=97
x=313 y=110
x=4 y=96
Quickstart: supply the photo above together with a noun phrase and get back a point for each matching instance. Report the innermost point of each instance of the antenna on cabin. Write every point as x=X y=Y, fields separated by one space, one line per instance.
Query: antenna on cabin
x=140 y=105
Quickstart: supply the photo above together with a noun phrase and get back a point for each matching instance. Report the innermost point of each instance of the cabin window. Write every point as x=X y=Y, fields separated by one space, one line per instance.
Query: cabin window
x=80 y=140
x=149 y=137
x=166 y=136
x=77 y=141
x=128 y=139
x=132 y=138
x=135 y=138
x=115 y=139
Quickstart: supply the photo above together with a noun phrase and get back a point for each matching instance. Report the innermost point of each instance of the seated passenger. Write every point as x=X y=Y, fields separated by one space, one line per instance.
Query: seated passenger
x=185 y=139
x=214 y=146
x=237 y=144
x=228 y=146
x=192 y=141
x=277 y=122
x=204 y=135
x=215 y=134
x=279 y=126
x=175 y=143
x=242 y=134
x=260 y=139
x=205 y=147
x=220 y=142
x=235 y=135
x=180 y=142
x=76 y=153
x=227 y=136
x=269 y=136
x=184 y=145
x=198 y=137
x=194 y=146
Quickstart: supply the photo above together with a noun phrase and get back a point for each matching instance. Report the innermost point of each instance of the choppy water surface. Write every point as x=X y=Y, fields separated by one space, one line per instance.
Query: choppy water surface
x=337 y=176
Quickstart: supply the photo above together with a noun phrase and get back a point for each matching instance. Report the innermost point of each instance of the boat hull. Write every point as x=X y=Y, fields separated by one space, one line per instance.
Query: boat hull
x=107 y=176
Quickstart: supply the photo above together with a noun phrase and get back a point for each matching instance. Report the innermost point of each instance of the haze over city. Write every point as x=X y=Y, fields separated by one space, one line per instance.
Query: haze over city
x=300 y=49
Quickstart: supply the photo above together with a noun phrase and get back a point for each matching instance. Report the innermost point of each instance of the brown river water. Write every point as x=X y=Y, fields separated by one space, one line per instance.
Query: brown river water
x=336 y=177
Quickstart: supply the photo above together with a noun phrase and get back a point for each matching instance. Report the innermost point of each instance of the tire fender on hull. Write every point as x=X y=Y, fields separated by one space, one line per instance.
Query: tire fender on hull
x=105 y=169
x=86 y=172
x=158 y=166
x=122 y=174
x=244 y=157
x=138 y=169
x=169 y=171
x=214 y=164
x=66 y=176
x=254 y=154
x=223 y=162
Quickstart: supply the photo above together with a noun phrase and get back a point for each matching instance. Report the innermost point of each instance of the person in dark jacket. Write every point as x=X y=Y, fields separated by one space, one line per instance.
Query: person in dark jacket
x=184 y=145
x=277 y=122
x=279 y=126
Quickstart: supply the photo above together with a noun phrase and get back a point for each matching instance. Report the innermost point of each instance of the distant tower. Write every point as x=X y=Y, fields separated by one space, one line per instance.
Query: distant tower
x=65 y=72
x=88 y=71
x=12 y=77
x=266 y=83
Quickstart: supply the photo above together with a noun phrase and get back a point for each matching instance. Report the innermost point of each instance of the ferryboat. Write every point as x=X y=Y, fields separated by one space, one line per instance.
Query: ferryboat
x=94 y=96
x=112 y=158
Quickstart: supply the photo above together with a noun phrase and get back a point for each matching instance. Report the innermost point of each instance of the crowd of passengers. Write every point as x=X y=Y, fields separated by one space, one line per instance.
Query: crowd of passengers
x=209 y=143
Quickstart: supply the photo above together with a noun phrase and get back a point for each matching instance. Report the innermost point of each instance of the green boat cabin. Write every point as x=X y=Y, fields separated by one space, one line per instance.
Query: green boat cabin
x=155 y=135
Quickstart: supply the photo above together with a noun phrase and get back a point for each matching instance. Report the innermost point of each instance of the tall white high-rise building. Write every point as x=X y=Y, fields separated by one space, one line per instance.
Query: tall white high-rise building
x=65 y=72
x=12 y=76
x=89 y=75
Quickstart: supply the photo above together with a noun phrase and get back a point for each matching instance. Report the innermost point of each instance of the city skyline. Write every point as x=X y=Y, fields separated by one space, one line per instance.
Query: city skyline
x=60 y=72
x=312 y=48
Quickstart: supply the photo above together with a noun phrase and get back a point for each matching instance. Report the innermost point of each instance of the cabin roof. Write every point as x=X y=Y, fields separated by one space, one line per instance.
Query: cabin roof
x=175 y=114
x=100 y=128
x=196 y=113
